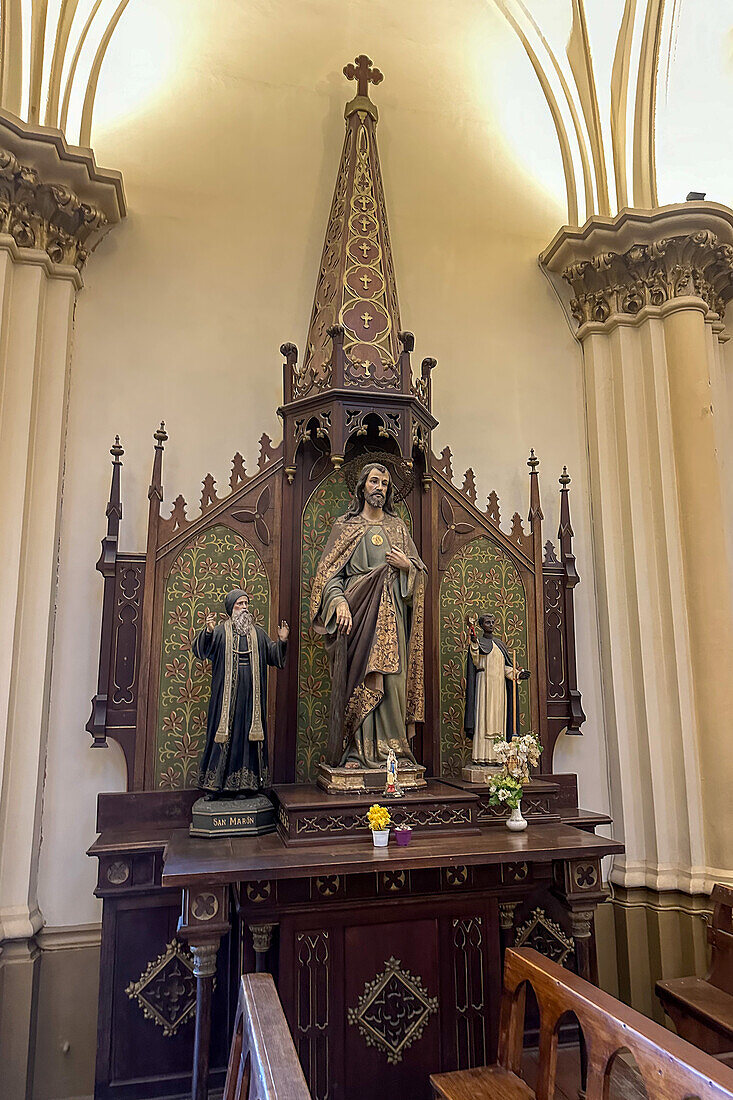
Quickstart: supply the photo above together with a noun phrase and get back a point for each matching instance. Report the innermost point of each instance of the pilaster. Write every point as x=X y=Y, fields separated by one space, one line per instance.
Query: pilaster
x=55 y=204
x=646 y=293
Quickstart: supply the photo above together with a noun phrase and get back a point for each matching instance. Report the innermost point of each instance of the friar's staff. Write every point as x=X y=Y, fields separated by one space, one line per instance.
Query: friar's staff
x=514 y=688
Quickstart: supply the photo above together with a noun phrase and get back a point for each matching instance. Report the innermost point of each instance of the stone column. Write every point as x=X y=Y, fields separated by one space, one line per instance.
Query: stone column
x=54 y=205
x=646 y=293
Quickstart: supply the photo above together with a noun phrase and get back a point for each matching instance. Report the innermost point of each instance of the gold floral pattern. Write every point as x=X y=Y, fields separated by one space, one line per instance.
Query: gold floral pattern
x=480 y=576
x=214 y=562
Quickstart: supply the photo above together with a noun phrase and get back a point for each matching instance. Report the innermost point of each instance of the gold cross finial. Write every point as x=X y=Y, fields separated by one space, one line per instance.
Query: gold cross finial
x=363 y=73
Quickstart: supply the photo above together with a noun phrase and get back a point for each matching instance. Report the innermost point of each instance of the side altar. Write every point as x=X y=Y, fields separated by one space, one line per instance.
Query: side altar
x=387 y=961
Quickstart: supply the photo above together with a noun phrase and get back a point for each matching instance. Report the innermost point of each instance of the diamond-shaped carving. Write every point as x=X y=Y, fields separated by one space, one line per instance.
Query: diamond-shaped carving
x=545 y=936
x=393 y=1011
x=166 y=990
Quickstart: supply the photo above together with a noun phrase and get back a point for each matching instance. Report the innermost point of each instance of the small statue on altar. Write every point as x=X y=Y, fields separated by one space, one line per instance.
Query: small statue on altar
x=367 y=601
x=234 y=762
x=492 y=678
x=391 y=787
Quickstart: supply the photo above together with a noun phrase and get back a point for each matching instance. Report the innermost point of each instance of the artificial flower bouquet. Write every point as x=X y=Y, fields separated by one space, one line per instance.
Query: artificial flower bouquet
x=517 y=757
x=504 y=790
x=378 y=818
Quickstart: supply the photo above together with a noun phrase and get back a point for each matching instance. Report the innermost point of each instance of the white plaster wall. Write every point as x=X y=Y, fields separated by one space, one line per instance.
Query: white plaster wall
x=226 y=121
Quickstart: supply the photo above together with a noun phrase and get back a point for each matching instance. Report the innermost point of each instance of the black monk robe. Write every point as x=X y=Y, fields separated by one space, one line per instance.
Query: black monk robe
x=233 y=760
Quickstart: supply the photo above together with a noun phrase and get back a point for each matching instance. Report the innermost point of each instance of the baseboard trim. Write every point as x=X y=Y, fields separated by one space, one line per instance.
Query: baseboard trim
x=667 y=877
x=66 y=938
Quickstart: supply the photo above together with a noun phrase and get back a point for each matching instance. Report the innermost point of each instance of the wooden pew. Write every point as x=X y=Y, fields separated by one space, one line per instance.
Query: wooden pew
x=702 y=1008
x=263 y=1064
x=670 y=1068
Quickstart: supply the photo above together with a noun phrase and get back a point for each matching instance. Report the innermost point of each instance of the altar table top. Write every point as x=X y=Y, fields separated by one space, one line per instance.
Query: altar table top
x=189 y=859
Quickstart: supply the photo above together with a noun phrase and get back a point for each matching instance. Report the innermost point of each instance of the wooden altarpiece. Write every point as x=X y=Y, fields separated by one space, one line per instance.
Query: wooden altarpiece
x=307 y=900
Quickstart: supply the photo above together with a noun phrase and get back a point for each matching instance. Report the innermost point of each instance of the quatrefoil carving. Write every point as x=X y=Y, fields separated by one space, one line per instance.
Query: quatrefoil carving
x=256 y=516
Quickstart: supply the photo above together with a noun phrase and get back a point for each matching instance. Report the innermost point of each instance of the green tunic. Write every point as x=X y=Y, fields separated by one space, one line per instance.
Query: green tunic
x=385 y=727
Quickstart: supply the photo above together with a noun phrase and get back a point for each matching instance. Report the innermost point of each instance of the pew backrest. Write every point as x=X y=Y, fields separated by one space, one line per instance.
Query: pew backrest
x=720 y=938
x=671 y=1069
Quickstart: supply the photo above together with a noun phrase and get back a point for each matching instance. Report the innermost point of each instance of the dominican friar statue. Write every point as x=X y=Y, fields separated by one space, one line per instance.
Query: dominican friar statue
x=234 y=761
x=489 y=691
x=368 y=601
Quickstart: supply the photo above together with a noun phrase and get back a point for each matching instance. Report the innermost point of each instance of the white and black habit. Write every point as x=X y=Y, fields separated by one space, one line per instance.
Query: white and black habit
x=489 y=709
x=235 y=754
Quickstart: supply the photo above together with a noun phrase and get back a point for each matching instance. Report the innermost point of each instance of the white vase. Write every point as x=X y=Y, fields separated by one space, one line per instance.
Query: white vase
x=381 y=837
x=515 y=821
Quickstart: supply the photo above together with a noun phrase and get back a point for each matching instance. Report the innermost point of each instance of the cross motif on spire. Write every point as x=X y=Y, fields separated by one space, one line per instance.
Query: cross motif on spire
x=363 y=73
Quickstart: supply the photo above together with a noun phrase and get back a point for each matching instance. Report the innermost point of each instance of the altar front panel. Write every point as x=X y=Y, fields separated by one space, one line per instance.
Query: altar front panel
x=378 y=996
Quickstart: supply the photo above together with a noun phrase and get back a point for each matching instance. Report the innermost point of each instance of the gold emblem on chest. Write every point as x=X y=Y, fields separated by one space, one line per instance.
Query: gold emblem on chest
x=377 y=539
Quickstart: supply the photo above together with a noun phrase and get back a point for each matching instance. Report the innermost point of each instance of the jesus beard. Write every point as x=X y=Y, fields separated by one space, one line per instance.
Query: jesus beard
x=242 y=621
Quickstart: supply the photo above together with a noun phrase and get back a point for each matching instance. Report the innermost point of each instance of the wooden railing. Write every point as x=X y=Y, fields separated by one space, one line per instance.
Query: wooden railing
x=263 y=1064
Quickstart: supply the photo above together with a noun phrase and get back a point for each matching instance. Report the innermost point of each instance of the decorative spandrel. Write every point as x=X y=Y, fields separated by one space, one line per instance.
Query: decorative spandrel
x=480 y=576
x=545 y=936
x=393 y=1011
x=214 y=562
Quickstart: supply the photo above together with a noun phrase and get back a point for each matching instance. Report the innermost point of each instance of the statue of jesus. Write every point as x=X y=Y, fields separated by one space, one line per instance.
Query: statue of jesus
x=367 y=601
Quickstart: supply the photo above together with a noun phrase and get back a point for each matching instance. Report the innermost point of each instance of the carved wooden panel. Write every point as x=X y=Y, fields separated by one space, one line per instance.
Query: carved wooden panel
x=147 y=995
x=392 y=983
x=313 y=1008
x=555 y=637
x=471 y=991
x=122 y=700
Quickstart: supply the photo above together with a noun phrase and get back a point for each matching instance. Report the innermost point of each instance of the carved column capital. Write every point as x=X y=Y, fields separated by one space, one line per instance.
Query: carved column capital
x=626 y=267
x=261 y=937
x=53 y=197
x=45 y=216
x=507 y=910
x=204 y=959
x=581 y=924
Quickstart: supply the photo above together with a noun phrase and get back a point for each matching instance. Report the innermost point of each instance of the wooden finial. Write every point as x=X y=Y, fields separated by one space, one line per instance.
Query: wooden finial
x=116 y=451
x=155 y=492
x=363 y=73
x=533 y=461
x=564 y=479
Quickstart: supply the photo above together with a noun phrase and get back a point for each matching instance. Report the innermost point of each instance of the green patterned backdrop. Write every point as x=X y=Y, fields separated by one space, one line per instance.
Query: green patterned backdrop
x=209 y=566
x=480 y=577
x=325 y=504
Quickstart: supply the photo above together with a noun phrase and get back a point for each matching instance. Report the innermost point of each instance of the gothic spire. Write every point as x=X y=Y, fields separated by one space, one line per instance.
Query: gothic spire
x=356 y=285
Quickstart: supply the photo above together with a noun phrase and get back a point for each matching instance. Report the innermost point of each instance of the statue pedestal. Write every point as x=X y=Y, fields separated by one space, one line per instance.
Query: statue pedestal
x=410 y=777
x=307 y=815
x=233 y=817
x=479 y=773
